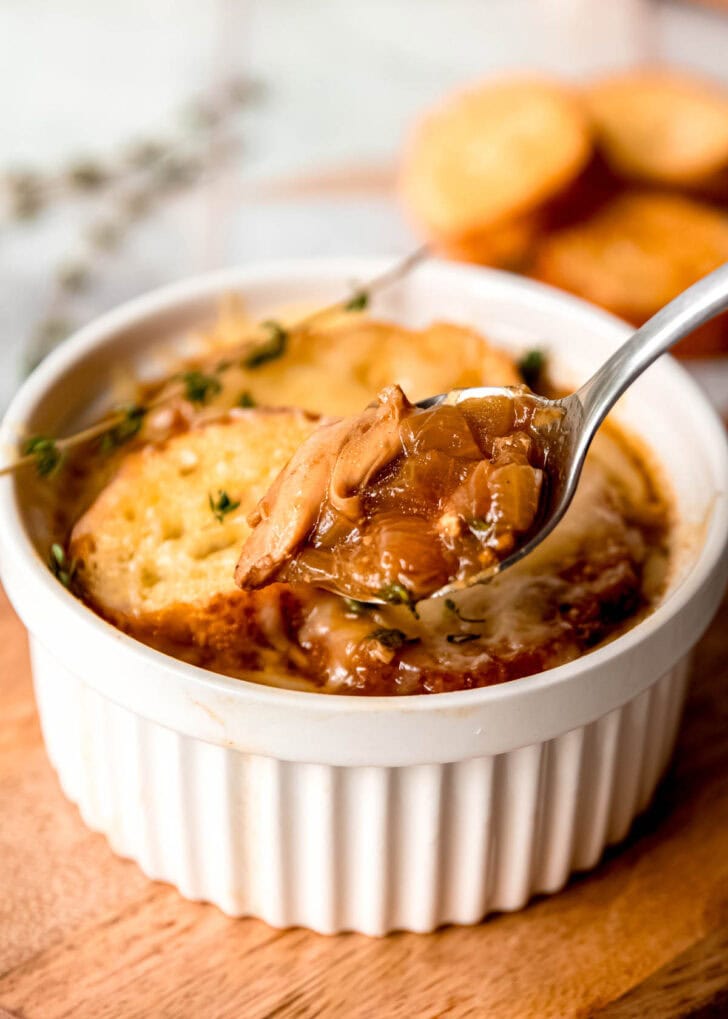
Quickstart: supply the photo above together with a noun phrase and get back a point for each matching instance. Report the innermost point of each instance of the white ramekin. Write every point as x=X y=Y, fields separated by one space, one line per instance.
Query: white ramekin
x=348 y=813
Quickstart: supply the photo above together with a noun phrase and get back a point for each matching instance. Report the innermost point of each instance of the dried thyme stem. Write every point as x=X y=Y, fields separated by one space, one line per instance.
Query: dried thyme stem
x=92 y=432
x=381 y=282
x=168 y=392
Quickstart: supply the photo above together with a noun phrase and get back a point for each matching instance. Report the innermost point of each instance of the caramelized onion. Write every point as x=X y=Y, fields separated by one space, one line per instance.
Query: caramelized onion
x=515 y=490
x=488 y=419
x=442 y=428
x=407 y=549
x=400 y=497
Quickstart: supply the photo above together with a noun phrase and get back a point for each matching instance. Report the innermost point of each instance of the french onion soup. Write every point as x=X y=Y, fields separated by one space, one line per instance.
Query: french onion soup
x=207 y=532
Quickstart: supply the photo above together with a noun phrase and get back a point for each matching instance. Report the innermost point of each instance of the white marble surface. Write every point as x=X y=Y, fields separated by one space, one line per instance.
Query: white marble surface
x=342 y=80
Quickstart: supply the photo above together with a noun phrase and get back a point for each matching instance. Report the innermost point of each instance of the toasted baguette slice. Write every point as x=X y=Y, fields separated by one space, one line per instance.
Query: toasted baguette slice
x=492 y=153
x=661 y=126
x=154 y=558
x=637 y=253
x=338 y=369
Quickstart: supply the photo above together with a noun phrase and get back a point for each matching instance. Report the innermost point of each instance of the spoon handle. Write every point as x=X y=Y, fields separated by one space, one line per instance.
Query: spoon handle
x=696 y=305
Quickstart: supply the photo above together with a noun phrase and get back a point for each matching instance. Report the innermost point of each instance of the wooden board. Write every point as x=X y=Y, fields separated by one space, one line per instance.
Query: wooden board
x=85 y=934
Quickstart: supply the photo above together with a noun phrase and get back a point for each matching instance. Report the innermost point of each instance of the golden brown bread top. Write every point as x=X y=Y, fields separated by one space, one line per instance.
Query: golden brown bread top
x=338 y=369
x=151 y=543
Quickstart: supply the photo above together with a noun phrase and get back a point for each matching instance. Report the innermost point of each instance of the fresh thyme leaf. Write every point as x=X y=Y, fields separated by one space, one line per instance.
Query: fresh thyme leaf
x=531 y=366
x=28 y=196
x=452 y=607
x=61 y=568
x=47 y=455
x=397 y=594
x=246 y=400
x=479 y=526
x=393 y=639
x=222 y=505
x=358 y=301
x=127 y=429
x=200 y=388
x=461 y=638
x=271 y=349
x=356 y=608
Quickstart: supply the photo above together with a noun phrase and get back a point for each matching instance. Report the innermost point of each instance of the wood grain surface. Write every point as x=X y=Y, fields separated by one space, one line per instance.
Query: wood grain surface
x=83 y=933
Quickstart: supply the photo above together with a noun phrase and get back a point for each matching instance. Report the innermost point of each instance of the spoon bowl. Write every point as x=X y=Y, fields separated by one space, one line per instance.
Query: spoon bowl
x=576 y=418
x=560 y=432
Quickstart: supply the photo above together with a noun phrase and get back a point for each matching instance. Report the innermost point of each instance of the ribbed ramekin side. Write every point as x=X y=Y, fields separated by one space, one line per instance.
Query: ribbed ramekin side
x=337 y=848
x=558 y=803
x=469 y=810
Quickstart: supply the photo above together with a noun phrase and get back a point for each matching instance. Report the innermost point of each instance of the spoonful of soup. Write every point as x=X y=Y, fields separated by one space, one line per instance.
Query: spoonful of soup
x=411 y=501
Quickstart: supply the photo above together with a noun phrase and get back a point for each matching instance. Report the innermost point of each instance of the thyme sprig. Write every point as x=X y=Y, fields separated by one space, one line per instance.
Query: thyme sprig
x=36 y=448
x=391 y=638
x=124 y=188
x=26 y=192
x=128 y=427
x=357 y=608
x=532 y=366
x=271 y=349
x=45 y=452
x=199 y=386
x=451 y=606
x=222 y=505
x=398 y=594
x=358 y=301
x=461 y=638
x=480 y=527
x=61 y=567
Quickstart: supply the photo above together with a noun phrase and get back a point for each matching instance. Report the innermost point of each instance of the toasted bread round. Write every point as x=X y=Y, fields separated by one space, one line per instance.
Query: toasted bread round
x=637 y=253
x=338 y=369
x=156 y=552
x=492 y=153
x=661 y=126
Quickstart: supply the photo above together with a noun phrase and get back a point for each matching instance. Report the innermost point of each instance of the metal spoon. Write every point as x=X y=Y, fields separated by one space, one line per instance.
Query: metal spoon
x=583 y=411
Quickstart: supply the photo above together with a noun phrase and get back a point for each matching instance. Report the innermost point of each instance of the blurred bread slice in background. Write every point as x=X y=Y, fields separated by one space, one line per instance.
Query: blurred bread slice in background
x=661 y=126
x=616 y=190
x=478 y=167
x=636 y=254
x=506 y=244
